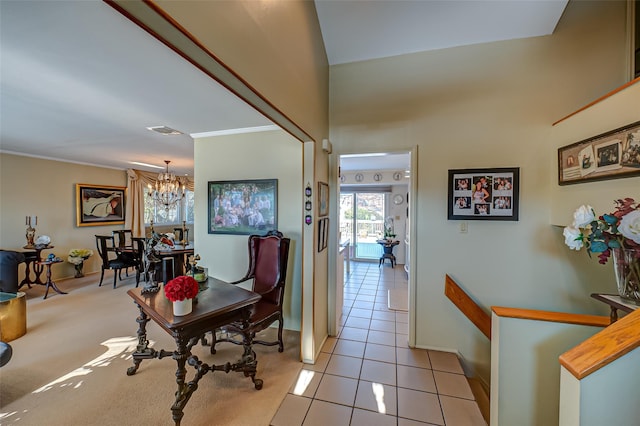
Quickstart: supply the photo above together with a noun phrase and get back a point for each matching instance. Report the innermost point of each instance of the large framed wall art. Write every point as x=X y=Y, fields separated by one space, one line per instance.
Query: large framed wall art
x=611 y=155
x=243 y=206
x=483 y=194
x=99 y=204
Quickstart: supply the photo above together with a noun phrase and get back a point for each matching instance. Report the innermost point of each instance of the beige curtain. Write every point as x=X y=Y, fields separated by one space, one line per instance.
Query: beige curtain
x=137 y=181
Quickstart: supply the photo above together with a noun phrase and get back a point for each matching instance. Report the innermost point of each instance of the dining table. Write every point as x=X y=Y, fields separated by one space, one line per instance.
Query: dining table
x=180 y=255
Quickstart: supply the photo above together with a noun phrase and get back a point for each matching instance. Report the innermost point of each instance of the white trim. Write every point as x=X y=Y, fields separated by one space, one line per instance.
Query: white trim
x=42 y=157
x=235 y=131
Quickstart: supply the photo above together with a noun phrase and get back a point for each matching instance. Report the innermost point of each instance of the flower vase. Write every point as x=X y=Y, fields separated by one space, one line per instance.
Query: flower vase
x=182 y=307
x=79 y=270
x=626 y=265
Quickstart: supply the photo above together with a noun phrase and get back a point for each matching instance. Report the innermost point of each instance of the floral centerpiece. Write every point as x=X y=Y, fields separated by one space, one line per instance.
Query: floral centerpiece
x=77 y=258
x=617 y=234
x=181 y=290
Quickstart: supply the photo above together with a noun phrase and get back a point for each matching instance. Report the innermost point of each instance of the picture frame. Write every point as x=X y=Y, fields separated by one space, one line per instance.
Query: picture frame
x=484 y=194
x=323 y=199
x=98 y=205
x=242 y=207
x=611 y=155
x=323 y=233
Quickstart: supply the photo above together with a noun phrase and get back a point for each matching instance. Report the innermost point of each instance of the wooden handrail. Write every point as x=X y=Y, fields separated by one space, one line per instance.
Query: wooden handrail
x=603 y=348
x=563 y=317
x=467 y=306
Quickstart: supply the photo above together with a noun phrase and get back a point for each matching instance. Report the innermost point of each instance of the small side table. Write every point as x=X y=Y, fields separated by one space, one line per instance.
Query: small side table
x=49 y=283
x=387 y=247
x=615 y=302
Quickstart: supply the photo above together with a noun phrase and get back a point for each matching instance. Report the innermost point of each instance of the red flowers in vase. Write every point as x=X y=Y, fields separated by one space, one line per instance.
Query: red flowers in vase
x=180 y=288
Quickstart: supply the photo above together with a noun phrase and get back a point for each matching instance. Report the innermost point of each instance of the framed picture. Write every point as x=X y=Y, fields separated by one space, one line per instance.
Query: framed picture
x=243 y=206
x=611 y=155
x=99 y=204
x=483 y=194
x=323 y=199
x=323 y=233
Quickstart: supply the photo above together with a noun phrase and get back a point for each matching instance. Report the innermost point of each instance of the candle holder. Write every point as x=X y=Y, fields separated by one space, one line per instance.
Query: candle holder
x=184 y=241
x=31 y=231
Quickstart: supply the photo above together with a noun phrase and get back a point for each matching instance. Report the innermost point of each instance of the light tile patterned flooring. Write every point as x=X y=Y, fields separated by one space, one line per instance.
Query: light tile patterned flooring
x=369 y=376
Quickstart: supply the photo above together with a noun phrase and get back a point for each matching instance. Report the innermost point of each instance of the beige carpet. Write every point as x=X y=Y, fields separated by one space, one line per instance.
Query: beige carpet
x=398 y=299
x=62 y=372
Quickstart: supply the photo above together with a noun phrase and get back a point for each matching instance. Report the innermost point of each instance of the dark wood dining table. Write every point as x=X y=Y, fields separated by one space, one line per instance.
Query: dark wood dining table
x=179 y=254
x=218 y=304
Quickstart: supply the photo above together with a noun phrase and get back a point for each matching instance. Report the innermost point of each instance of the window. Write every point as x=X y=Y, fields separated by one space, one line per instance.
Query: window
x=174 y=216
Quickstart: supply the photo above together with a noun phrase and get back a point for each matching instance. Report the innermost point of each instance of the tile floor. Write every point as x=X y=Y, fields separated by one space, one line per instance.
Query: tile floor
x=369 y=376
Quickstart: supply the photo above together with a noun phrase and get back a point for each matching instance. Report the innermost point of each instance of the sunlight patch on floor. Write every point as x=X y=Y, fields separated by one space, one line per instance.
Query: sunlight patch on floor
x=117 y=346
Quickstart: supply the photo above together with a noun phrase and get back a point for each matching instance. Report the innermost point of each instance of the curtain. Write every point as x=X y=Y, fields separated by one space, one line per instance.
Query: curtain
x=136 y=182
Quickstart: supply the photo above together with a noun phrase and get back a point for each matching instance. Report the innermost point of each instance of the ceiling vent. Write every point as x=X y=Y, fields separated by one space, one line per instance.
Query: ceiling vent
x=165 y=130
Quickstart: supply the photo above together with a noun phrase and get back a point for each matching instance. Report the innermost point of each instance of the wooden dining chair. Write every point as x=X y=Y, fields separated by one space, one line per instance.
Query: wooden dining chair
x=115 y=258
x=178 y=233
x=268 y=259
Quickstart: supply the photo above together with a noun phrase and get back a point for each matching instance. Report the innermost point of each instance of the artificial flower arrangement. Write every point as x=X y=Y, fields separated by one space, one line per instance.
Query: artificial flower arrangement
x=181 y=288
x=78 y=256
x=616 y=233
x=620 y=229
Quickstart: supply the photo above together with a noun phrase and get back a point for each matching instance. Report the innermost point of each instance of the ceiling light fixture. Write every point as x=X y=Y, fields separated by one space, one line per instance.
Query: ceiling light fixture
x=164 y=130
x=168 y=190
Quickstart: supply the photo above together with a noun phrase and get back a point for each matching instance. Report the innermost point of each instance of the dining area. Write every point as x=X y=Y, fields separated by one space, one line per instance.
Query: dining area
x=159 y=257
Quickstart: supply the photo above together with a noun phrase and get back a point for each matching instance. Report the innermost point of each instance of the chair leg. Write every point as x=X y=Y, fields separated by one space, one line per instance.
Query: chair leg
x=280 y=342
x=214 y=340
x=101 y=277
x=115 y=277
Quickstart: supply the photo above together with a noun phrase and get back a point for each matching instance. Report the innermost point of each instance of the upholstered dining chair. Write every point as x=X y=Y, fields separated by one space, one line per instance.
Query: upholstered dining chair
x=107 y=249
x=268 y=258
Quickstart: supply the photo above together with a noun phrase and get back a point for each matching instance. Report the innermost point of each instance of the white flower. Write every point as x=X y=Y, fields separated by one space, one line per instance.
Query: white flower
x=572 y=238
x=583 y=216
x=630 y=226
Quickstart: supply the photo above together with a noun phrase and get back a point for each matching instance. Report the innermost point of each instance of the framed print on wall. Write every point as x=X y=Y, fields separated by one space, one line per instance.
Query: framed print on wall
x=99 y=204
x=323 y=199
x=611 y=155
x=323 y=233
x=483 y=194
x=243 y=207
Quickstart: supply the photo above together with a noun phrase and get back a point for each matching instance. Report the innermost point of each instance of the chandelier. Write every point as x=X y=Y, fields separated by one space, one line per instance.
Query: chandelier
x=168 y=190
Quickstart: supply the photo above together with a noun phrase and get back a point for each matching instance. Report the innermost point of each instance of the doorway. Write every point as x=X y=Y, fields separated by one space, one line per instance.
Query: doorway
x=391 y=177
x=362 y=221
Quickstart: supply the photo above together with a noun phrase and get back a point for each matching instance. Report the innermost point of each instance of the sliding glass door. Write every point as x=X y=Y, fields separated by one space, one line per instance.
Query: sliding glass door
x=362 y=221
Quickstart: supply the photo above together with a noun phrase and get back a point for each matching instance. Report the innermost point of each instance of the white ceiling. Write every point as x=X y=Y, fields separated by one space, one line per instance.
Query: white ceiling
x=79 y=82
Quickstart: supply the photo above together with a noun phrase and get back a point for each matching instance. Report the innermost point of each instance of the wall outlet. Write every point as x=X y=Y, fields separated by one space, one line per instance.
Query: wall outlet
x=464 y=227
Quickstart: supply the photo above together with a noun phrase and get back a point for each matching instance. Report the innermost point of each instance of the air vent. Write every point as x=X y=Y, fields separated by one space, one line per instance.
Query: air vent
x=165 y=130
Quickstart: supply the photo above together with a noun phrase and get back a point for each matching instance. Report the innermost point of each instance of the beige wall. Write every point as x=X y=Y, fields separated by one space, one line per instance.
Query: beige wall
x=275 y=46
x=46 y=188
x=488 y=105
x=264 y=155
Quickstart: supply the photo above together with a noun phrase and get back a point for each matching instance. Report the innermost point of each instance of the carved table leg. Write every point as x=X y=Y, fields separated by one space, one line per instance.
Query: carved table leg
x=143 y=351
x=249 y=361
x=183 y=394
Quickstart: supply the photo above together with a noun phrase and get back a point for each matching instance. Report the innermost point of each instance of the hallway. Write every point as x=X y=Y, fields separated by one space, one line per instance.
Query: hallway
x=368 y=376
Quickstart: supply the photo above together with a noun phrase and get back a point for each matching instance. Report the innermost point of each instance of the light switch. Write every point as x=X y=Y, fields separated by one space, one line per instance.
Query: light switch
x=463 y=227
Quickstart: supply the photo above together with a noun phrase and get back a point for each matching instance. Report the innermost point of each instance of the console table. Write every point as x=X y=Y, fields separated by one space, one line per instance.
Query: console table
x=217 y=305
x=615 y=302
x=31 y=259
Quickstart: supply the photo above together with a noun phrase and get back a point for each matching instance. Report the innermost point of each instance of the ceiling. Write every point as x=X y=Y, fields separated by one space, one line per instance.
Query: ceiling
x=74 y=85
